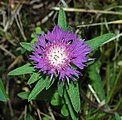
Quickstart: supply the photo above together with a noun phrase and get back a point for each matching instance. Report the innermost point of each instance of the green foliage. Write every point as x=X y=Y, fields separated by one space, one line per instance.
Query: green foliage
x=62 y=19
x=94 y=75
x=56 y=99
x=43 y=95
x=38 y=30
x=34 y=77
x=49 y=82
x=25 y=69
x=40 y=85
x=73 y=114
x=27 y=46
x=117 y=117
x=46 y=118
x=60 y=88
x=29 y=117
x=23 y=95
x=101 y=40
x=74 y=95
x=3 y=95
x=64 y=110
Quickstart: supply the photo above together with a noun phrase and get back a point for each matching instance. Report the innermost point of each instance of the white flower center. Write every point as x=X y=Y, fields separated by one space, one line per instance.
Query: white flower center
x=57 y=55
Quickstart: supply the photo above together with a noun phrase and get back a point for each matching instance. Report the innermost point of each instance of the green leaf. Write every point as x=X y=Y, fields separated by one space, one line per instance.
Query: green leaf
x=34 y=39
x=40 y=85
x=34 y=77
x=97 y=84
x=27 y=46
x=43 y=95
x=29 y=117
x=60 y=88
x=56 y=99
x=25 y=69
x=38 y=30
x=45 y=118
x=49 y=82
x=64 y=110
x=23 y=95
x=101 y=40
x=62 y=19
x=74 y=95
x=73 y=114
x=3 y=95
x=117 y=117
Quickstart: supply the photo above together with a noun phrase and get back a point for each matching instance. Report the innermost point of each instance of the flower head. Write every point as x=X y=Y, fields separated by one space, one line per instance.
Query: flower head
x=56 y=52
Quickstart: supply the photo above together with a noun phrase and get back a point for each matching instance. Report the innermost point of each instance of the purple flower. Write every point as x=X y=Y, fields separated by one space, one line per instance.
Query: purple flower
x=56 y=52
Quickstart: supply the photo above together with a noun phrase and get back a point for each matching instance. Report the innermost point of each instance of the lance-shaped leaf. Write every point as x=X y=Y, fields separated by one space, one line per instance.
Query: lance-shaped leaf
x=27 y=46
x=74 y=95
x=40 y=85
x=62 y=19
x=60 y=88
x=34 y=77
x=23 y=95
x=25 y=69
x=3 y=95
x=117 y=116
x=101 y=40
x=49 y=82
x=73 y=114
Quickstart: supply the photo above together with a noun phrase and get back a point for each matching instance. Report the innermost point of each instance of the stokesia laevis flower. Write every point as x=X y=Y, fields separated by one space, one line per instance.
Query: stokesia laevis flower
x=56 y=52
